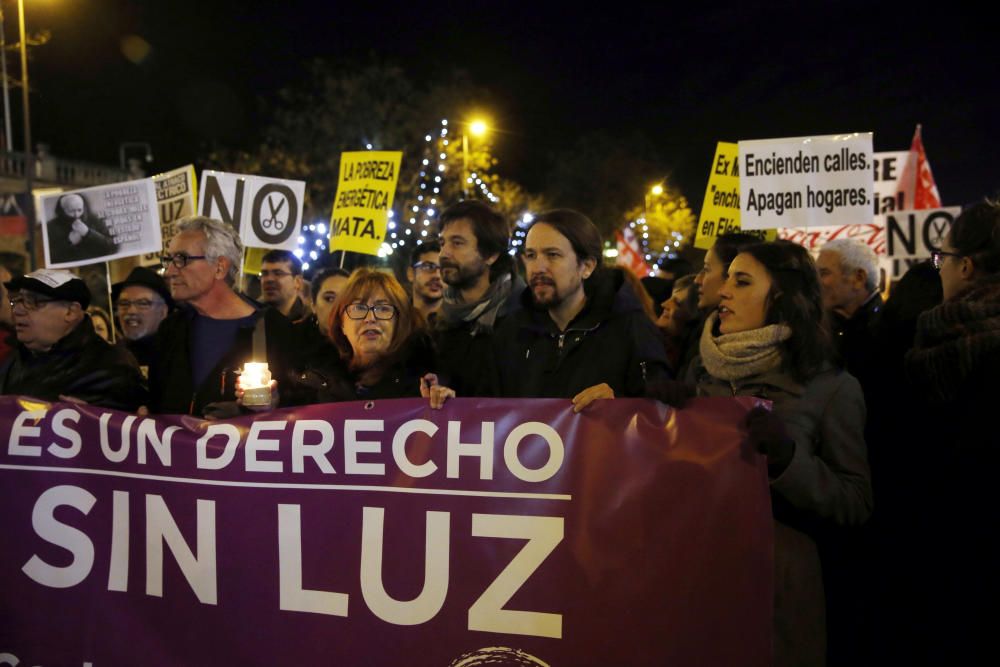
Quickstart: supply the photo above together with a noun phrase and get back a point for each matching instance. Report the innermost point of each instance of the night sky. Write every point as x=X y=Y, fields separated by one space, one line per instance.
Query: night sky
x=684 y=76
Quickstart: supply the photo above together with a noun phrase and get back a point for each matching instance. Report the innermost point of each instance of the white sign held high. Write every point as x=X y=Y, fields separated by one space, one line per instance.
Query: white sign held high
x=806 y=181
x=267 y=212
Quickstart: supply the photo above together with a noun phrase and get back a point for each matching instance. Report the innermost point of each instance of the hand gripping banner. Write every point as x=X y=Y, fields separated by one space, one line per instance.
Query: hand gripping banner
x=385 y=533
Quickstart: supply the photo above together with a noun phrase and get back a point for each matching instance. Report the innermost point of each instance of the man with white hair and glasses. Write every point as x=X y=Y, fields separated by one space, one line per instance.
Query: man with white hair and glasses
x=203 y=345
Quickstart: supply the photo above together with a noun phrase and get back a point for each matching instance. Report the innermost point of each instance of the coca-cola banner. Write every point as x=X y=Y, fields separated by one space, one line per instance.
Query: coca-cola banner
x=385 y=533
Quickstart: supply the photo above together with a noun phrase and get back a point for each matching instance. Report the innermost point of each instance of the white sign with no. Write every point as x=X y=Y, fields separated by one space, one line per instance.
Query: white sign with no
x=267 y=212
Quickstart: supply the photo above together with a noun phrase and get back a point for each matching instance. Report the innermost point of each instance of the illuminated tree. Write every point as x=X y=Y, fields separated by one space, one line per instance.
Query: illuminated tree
x=663 y=223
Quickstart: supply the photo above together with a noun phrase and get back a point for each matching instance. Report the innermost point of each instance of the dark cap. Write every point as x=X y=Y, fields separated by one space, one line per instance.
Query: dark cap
x=144 y=277
x=53 y=283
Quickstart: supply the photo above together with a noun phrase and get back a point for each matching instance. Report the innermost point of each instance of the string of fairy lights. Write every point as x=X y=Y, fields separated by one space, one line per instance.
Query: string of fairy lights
x=653 y=255
x=413 y=222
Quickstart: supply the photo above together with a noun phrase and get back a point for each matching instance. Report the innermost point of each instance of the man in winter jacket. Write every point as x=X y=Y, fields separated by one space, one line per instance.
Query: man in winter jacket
x=142 y=301
x=581 y=333
x=203 y=345
x=482 y=289
x=58 y=354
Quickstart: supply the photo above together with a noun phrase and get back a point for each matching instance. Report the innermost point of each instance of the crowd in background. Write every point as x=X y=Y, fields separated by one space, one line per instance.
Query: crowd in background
x=877 y=443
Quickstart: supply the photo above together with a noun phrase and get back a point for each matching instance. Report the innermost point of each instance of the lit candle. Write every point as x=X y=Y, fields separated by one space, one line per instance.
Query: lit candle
x=255 y=379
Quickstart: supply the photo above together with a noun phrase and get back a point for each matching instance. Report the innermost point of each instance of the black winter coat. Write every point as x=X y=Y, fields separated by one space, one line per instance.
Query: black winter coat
x=611 y=340
x=465 y=357
x=171 y=383
x=82 y=365
x=331 y=381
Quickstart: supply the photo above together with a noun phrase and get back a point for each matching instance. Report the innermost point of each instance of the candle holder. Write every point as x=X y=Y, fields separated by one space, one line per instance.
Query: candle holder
x=255 y=380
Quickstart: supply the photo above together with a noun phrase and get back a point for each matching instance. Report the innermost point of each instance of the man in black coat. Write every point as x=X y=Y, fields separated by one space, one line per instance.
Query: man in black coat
x=848 y=273
x=581 y=334
x=58 y=354
x=482 y=289
x=201 y=348
x=142 y=301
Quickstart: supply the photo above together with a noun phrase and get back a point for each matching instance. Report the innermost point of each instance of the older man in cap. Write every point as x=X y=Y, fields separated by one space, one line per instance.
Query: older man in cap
x=58 y=355
x=142 y=301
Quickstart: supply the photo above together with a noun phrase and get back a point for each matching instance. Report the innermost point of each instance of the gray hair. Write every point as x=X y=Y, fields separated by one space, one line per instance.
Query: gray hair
x=221 y=240
x=856 y=255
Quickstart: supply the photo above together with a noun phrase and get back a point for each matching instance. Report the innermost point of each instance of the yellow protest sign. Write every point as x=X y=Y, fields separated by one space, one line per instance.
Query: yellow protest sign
x=365 y=189
x=253 y=259
x=720 y=212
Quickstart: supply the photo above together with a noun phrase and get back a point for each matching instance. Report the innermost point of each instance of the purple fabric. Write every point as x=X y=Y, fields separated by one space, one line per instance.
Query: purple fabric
x=665 y=555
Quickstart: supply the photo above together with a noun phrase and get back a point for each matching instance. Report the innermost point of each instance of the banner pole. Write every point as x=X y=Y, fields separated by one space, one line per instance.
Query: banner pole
x=243 y=262
x=111 y=304
x=342 y=253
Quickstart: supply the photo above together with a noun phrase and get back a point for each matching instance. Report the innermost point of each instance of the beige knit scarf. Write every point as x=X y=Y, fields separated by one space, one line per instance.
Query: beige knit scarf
x=742 y=354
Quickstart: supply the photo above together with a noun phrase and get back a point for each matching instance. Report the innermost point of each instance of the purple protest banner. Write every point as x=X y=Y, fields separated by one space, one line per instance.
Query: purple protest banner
x=385 y=533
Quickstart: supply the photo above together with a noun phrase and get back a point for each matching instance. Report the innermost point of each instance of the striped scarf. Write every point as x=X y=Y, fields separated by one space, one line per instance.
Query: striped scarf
x=955 y=339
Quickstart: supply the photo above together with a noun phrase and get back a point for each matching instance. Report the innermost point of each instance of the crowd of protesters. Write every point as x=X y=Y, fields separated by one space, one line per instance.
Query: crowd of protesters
x=877 y=442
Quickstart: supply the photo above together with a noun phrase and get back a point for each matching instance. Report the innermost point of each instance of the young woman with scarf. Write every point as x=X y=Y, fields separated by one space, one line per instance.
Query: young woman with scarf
x=768 y=339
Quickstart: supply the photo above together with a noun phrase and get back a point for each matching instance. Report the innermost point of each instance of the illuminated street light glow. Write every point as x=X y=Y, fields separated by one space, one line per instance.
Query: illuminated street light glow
x=477 y=128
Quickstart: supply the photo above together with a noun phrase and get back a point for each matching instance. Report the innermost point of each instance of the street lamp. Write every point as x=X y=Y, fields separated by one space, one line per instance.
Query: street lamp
x=29 y=155
x=476 y=128
x=8 y=144
x=655 y=191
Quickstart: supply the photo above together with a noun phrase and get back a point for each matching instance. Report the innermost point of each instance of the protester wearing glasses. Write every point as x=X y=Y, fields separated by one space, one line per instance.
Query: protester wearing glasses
x=769 y=339
x=281 y=284
x=142 y=301
x=951 y=372
x=956 y=353
x=424 y=275
x=203 y=345
x=383 y=352
x=58 y=354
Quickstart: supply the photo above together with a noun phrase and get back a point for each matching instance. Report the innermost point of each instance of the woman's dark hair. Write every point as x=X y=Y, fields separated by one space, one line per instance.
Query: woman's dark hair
x=976 y=234
x=795 y=300
x=727 y=246
x=316 y=284
x=578 y=229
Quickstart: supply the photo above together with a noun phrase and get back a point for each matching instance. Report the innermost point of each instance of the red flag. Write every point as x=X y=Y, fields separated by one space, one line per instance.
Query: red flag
x=629 y=255
x=925 y=193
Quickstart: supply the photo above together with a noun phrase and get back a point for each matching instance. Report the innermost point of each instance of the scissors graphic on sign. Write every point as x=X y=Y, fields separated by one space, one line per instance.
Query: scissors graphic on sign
x=273 y=220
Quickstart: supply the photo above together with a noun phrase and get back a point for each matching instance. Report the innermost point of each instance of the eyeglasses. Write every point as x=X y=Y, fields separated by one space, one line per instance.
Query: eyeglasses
x=29 y=301
x=276 y=273
x=359 y=311
x=427 y=267
x=178 y=259
x=937 y=257
x=140 y=304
